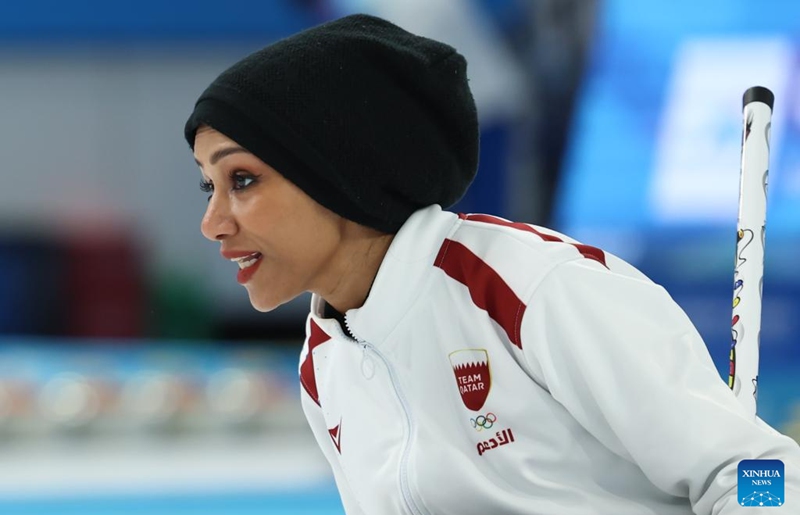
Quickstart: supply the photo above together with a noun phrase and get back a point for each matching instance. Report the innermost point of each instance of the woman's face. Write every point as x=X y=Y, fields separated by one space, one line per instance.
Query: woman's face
x=281 y=239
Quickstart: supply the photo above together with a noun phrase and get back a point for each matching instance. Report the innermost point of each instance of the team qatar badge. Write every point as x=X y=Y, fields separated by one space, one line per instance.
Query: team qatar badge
x=473 y=377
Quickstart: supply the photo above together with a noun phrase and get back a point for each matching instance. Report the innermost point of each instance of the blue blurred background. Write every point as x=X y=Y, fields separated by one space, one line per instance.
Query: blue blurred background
x=135 y=377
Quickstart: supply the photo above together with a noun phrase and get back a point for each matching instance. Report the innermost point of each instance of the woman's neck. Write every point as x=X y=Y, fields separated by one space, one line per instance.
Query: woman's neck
x=355 y=268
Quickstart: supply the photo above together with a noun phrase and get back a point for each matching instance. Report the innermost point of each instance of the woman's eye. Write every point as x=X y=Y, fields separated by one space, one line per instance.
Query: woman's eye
x=206 y=187
x=241 y=181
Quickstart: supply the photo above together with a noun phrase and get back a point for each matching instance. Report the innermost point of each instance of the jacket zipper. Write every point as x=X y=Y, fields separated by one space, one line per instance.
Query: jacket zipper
x=405 y=489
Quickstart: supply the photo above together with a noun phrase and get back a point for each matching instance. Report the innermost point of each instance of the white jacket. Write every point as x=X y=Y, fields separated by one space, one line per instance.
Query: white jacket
x=505 y=369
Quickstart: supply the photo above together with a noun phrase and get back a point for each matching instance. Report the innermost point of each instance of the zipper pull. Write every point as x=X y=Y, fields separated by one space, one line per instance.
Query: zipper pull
x=367 y=364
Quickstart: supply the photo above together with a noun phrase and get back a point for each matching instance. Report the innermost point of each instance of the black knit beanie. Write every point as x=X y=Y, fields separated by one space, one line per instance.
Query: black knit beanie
x=369 y=120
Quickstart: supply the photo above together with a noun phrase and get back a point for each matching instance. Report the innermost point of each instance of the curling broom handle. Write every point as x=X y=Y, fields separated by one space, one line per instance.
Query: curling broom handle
x=749 y=264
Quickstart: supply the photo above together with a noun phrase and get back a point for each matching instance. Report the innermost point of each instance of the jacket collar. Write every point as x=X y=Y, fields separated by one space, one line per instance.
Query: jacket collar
x=402 y=277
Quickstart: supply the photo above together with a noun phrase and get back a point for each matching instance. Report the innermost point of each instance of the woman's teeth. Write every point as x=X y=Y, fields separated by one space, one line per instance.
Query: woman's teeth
x=247 y=261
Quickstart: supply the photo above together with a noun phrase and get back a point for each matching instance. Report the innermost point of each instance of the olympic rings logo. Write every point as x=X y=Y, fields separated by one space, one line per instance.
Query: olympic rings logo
x=482 y=422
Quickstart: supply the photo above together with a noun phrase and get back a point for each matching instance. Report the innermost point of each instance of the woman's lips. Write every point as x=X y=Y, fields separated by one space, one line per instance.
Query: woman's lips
x=248 y=267
x=248 y=262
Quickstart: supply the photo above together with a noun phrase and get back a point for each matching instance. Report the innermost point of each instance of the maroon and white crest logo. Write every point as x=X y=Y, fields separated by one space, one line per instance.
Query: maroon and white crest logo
x=471 y=367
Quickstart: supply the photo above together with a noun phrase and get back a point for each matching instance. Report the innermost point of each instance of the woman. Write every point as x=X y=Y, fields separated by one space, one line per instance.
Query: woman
x=453 y=364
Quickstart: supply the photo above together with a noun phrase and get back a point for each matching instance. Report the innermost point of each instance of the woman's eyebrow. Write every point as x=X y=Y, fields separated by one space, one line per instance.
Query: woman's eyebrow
x=223 y=152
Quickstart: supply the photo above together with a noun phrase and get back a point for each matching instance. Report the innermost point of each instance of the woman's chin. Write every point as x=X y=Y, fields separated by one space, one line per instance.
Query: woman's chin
x=262 y=305
x=264 y=302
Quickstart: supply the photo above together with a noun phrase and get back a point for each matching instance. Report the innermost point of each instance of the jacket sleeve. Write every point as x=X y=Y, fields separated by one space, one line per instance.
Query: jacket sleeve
x=627 y=363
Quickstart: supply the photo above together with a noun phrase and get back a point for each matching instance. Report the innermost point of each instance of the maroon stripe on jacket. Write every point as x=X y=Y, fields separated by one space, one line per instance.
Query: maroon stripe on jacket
x=486 y=288
x=307 y=377
x=586 y=251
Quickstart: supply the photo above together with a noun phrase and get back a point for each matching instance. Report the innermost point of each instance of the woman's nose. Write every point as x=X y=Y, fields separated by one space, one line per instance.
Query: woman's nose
x=217 y=223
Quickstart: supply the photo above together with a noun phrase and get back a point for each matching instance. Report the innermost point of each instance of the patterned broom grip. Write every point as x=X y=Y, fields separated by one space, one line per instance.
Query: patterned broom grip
x=749 y=263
